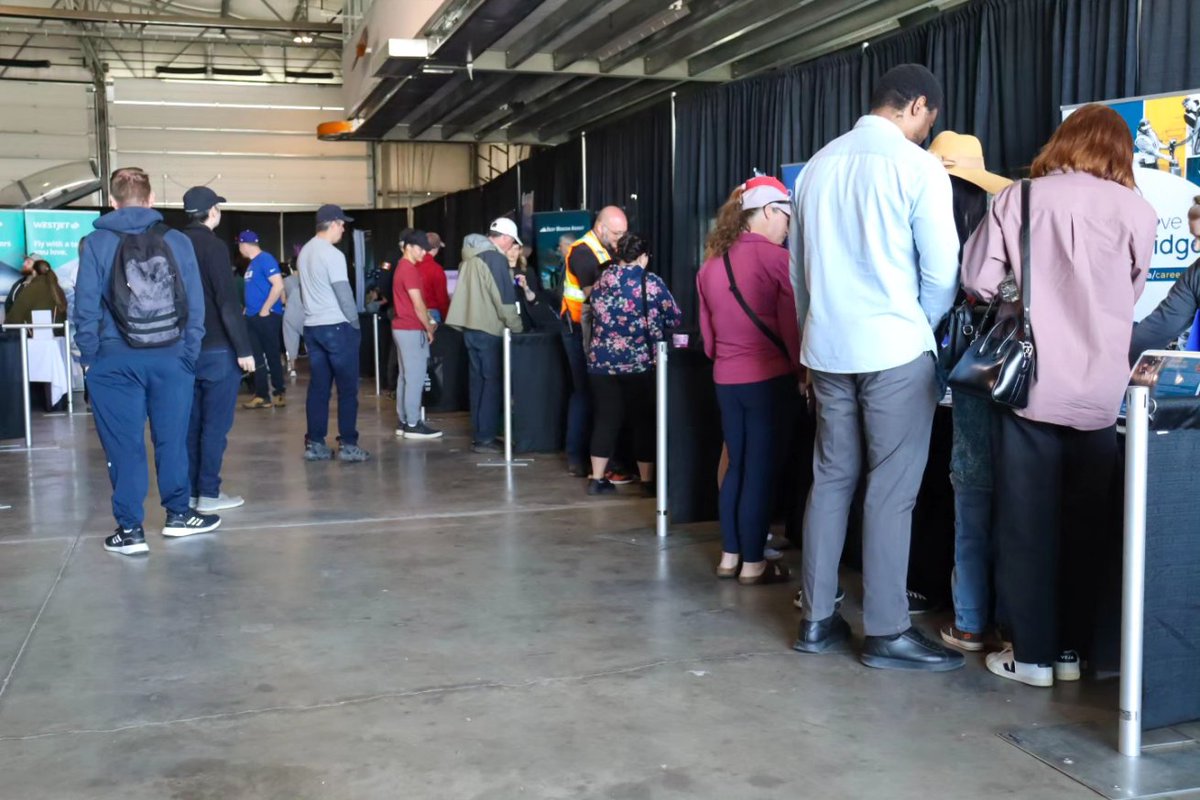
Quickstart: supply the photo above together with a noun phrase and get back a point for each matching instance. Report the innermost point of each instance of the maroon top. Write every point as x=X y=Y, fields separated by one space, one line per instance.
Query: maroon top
x=1090 y=245
x=405 y=313
x=742 y=353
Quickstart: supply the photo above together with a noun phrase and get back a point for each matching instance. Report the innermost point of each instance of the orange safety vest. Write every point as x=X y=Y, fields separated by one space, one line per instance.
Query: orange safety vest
x=573 y=296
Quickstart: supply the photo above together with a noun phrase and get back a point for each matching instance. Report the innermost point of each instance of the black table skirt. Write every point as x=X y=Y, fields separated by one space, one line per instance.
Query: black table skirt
x=540 y=389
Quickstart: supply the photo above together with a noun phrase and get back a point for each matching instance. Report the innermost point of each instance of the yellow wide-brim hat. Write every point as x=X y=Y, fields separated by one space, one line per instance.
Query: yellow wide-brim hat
x=962 y=155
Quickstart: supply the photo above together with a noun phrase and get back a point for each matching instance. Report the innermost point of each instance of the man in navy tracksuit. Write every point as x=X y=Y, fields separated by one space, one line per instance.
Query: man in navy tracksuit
x=128 y=384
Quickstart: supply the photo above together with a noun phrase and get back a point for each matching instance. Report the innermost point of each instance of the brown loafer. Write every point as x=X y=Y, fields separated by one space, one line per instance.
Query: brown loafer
x=774 y=573
x=729 y=573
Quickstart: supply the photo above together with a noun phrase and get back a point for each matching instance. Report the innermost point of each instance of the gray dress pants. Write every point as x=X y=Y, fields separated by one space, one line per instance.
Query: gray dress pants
x=412 y=356
x=880 y=422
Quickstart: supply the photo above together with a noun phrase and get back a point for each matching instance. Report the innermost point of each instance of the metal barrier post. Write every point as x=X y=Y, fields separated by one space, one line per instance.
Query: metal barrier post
x=25 y=385
x=663 y=356
x=1133 y=584
x=508 y=443
x=70 y=368
x=378 y=366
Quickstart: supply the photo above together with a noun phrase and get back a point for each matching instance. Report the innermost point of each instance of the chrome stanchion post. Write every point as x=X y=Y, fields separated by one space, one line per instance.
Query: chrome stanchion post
x=660 y=467
x=378 y=366
x=508 y=445
x=70 y=368
x=25 y=385
x=1133 y=583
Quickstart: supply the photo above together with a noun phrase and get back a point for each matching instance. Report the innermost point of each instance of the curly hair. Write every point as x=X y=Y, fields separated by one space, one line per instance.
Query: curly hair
x=731 y=222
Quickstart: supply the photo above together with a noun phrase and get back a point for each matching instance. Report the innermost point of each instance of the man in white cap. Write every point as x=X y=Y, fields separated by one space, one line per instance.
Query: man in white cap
x=484 y=304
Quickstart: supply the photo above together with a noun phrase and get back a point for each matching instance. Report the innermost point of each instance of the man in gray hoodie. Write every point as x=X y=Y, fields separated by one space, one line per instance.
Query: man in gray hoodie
x=484 y=304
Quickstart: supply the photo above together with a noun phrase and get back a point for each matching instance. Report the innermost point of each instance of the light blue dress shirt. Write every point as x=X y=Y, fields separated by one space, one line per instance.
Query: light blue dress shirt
x=874 y=251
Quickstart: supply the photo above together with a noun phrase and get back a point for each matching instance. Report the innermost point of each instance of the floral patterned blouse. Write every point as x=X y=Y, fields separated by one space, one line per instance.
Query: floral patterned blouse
x=624 y=328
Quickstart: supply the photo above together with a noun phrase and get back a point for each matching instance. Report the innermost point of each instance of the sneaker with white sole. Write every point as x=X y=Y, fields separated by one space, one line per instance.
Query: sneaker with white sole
x=919 y=603
x=221 y=502
x=352 y=453
x=1005 y=665
x=127 y=542
x=963 y=640
x=190 y=523
x=421 y=431
x=1066 y=666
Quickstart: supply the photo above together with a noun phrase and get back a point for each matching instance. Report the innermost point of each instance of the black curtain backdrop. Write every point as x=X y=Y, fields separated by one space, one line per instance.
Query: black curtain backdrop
x=555 y=176
x=633 y=157
x=1170 y=51
x=1007 y=66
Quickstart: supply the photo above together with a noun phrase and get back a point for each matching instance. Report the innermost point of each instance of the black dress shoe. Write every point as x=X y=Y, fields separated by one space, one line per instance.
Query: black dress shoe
x=911 y=650
x=818 y=637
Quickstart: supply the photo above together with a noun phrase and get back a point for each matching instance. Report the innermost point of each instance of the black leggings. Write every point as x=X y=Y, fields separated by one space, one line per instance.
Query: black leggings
x=617 y=399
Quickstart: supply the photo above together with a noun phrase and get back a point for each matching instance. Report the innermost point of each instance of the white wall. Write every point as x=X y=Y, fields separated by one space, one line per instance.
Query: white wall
x=44 y=124
x=254 y=144
x=412 y=173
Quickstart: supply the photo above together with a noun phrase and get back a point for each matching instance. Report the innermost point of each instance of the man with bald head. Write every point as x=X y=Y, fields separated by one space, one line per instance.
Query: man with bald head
x=585 y=260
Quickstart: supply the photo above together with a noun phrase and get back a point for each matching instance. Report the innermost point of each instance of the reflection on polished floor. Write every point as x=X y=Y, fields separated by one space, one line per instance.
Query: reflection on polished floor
x=417 y=627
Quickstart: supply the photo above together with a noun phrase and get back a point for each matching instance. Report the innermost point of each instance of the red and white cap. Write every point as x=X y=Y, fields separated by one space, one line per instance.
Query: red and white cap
x=764 y=191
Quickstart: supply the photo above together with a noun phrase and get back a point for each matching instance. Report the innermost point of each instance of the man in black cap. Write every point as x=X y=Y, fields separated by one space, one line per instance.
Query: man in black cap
x=332 y=336
x=412 y=331
x=224 y=348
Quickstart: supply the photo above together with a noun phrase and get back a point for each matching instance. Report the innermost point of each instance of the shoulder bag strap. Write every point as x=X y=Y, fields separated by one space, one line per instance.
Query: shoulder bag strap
x=1025 y=261
x=758 y=323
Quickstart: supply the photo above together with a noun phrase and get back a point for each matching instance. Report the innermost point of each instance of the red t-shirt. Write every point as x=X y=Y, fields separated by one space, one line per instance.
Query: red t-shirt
x=433 y=286
x=407 y=277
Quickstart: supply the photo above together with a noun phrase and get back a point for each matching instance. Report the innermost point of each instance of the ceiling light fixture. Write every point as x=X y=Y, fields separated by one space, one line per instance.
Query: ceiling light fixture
x=302 y=38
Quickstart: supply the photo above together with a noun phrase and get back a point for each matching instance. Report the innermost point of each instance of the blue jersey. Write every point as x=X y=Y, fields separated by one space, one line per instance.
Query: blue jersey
x=258 y=284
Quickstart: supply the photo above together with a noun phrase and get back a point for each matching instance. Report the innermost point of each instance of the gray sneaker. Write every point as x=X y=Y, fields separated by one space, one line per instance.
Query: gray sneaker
x=221 y=502
x=317 y=451
x=352 y=453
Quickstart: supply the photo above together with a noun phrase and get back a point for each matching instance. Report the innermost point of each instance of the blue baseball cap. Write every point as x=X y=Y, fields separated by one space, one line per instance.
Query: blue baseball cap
x=247 y=237
x=332 y=213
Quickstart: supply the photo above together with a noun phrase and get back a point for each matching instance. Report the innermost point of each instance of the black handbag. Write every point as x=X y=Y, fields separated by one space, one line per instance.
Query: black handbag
x=1001 y=364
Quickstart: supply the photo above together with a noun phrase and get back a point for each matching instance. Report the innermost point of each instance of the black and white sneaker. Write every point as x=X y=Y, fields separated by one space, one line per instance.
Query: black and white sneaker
x=1067 y=667
x=127 y=542
x=190 y=523
x=798 y=600
x=421 y=431
x=919 y=603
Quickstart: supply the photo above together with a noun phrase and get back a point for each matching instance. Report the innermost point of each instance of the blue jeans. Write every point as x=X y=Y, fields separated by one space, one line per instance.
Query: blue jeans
x=974 y=549
x=579 y=407
x=751 y=418
x=485 y=354
x=125 y=389
x=213 y=401
x=332 y=358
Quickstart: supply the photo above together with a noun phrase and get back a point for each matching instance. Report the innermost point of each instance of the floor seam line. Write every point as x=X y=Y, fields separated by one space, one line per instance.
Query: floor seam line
x=38 y=618
x=401 y=695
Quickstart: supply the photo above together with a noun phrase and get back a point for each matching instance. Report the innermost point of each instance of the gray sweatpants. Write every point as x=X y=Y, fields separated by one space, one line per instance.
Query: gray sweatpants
x=412 y=355
x=885 y=417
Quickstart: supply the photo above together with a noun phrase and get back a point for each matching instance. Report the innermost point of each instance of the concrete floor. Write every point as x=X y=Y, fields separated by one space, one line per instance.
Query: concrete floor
x=418 y=627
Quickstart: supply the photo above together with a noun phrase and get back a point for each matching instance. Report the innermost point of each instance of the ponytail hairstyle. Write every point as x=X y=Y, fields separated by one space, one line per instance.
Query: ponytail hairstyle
x=732 y=221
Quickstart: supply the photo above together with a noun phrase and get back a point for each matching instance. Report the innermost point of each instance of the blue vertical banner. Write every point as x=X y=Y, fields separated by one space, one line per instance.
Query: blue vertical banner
x=554 y=232
x=55 y=236
x=12 y=248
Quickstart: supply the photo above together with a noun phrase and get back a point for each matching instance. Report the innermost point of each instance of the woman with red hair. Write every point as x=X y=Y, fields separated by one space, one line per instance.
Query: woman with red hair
x=1091 y=239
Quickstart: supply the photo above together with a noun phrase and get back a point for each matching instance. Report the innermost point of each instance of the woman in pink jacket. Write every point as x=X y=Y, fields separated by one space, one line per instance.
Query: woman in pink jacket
x=748 y=319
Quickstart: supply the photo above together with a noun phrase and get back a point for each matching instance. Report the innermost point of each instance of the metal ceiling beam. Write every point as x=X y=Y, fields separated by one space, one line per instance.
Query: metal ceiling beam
x=520 y=121
x=841 y=31
x=637 y=94
x=571 y=104
x=166 y=20
x=814 y=15
x=469 y=110
x=712 y=33
x=264 y=39
x=547 y=30
x=543 y=63
x=432 y=114
x=434 y=134
x=628 y=16
x=539 y=89
x=703 y=13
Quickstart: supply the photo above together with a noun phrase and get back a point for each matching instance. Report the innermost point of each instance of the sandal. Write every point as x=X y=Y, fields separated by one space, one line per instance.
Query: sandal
x=774 y=573
x=729 y=573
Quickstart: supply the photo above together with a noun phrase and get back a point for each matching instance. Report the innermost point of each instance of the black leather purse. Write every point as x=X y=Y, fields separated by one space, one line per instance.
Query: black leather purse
x=1001 y=364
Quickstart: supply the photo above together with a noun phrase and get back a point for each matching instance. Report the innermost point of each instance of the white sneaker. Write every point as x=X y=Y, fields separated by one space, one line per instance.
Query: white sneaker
x=222 y=502
x=400 y=432
x=1006 y=665
x=1066 y=666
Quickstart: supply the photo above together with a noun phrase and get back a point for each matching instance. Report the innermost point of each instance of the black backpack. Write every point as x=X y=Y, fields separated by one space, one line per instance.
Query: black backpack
x=146 y=294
